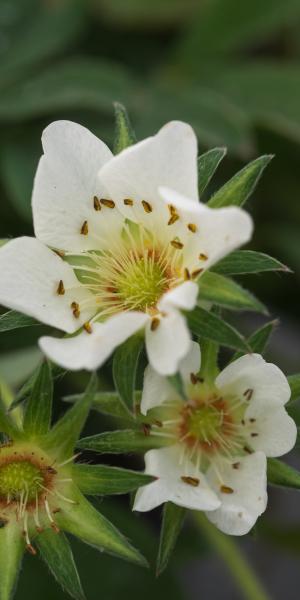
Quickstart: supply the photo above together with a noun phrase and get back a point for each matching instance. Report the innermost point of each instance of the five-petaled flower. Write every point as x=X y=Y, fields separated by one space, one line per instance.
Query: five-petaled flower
x=120 y=243
x=219 y=439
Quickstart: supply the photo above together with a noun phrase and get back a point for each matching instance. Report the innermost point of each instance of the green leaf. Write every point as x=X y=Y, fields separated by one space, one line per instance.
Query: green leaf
x=57 y=554
x=242 y=262
x=17 y=365
x=259 y=339
x=124 y=134
x=178 y=385
x=102 y=479
x=207 y=325
x=11 y=553
x=63 y=436
x=108 y=403
x=282 y=474
x=173 y=518
x=7 y=423
x=207 y=165
x=225 y=292
x=209 y=360
x=126 y=440
x=125 y=364
x=15 y=320
x=85 y=522
x=238 y=189
x=37 y=416
x=294 y=383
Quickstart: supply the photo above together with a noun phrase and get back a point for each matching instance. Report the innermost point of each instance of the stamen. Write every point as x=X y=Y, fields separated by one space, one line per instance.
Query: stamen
x=192 y=227
x=176 y=244
x=60 y=253
x=75 y=309
x=155 y=324
x=61 y=288
x=225 y=489
x=193 y=481
x=174 y=217
x=87 y=327
x=147 y=206
x=196 y=273
x=128 y=202
x=71 y=459
x=108 y=203
x=254 y=434
x=52 y=522
x=186 y=274
x=203 y=256
x=248 y=394
x=84 y=228
x=97 y=204
x=236 y=465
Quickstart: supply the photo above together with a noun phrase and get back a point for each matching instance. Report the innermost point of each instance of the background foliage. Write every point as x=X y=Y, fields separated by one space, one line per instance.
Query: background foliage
x=232 y=70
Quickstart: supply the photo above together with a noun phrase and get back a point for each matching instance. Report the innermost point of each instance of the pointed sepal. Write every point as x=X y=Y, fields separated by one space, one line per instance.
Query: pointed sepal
x=207 y=165
x=11 y=553
x=37 y=415
x=126 y=440
x=125 y=365
x=258 y=341
x=209 y=326
x=172 y=522
x=280 y=473
x=124 y=134
x=102 y=479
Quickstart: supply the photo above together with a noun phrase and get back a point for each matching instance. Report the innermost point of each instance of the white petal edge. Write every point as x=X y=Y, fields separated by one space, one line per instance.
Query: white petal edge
x=183 y=296
x=169 y=343
x=30 y=275
x=240 y=510
x=275 y=432
x=90 y=351
x=164 y=463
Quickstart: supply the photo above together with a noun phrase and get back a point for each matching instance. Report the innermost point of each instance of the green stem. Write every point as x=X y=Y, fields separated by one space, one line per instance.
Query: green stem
x=238 y=566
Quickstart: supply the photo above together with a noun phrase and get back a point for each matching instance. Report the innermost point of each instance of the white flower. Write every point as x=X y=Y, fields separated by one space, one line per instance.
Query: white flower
x=219 y=439
x=130 y=238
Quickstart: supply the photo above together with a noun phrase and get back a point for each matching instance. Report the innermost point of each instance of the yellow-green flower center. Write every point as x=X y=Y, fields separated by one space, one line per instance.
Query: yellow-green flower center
x=204 y=423
x=20 y=477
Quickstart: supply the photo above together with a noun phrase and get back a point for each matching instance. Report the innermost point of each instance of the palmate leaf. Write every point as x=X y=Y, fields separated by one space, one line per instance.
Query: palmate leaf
x=57 y=554
x=37 y=415
x=102 y=479
x=108 y=403
x=238 y=189
x=259 y=339
x=282 y=474
x=15 y=320
x=85 y=522
x=209 y=326
x=225 y=292
x=125 y=364
x=124 y=134
x=126 y=440
x=207 y=166
x=243 y=262
x=173 y=518
x=11 y=552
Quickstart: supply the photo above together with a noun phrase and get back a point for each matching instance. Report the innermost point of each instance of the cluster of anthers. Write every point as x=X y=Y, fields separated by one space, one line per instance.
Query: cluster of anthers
x=31 y=490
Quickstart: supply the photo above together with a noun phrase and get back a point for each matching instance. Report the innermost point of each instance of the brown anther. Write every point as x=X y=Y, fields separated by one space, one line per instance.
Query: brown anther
x=186 y=274
x=39 y=529
x=87 y=327
x=243 y=421
x=193 y=481
x=56 y=510
x=194 y=378
x=108 y=203
x=128 y=202
x=174 y=217
x=55 y=527
x=236 y=465
x=97 y=203
x=248 y=450
x=154 y=324
x=84 y=228
x=176 y=244
x=75 y=309
x=196 y=273
x=31 y=549
x=203 y=256
x=252 y=420
x=172 y=209
x=147 y=206
x=146 y=429
x=51 y=470
x=192 y=227
x=61 y=288
x=254 y=434
x=60 y=253
x=225 y=489
x=248 y=394
x=157 y=423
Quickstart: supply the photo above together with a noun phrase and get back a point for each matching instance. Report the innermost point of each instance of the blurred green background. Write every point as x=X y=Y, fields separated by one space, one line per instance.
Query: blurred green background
x=231 y=69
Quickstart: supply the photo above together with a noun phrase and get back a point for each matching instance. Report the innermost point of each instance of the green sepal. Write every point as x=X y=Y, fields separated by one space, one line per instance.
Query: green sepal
x=37 y=415
x=225 y=292
x=207 y=165
x=258 y=341
x=125 y=363
x=282 y=474
x=244 y=262
x=172 y=522
x=294 y=383
x=56 y=551
x=11 y=552
x=103 y=479
x=207 y=325
x=178 y=384
x=209 y=360
x=108 y=403
x=122 y=441
x=238 y=189
x=15 y=320
x=7 y=422
x=124 y=134
x=63 y=436
x=26 y=389
x=86 y=523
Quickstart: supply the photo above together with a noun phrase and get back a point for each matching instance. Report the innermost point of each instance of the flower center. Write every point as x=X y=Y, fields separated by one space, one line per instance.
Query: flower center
x=18 y=478
x=143 y=283
x=204 y=423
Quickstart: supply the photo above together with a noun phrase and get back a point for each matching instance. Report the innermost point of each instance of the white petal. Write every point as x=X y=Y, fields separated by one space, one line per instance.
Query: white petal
x=168 y=344
x=30 y=275
x=274 y=431
x=156 y=390
x=219 y=230
x=165 y=464
x=270 y=386
x=183 y=296
x=65 y=184
x=90 y=351
x=190 y=363
x=240 y=509
x=168 y=158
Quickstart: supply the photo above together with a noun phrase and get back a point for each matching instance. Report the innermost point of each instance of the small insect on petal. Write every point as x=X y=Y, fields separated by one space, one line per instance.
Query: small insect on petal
x=193 y=481
x=128 y=202
x=108 y=203
x=192 y=227
x=97 y=204
x=87 y=327
x=154 y=324
x=196 y=273
x=61 y=288
x=225 y=489
x=84 y=228
x=147 y=206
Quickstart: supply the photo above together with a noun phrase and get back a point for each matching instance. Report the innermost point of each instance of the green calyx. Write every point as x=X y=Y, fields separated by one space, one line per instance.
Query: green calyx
x=20 y=477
